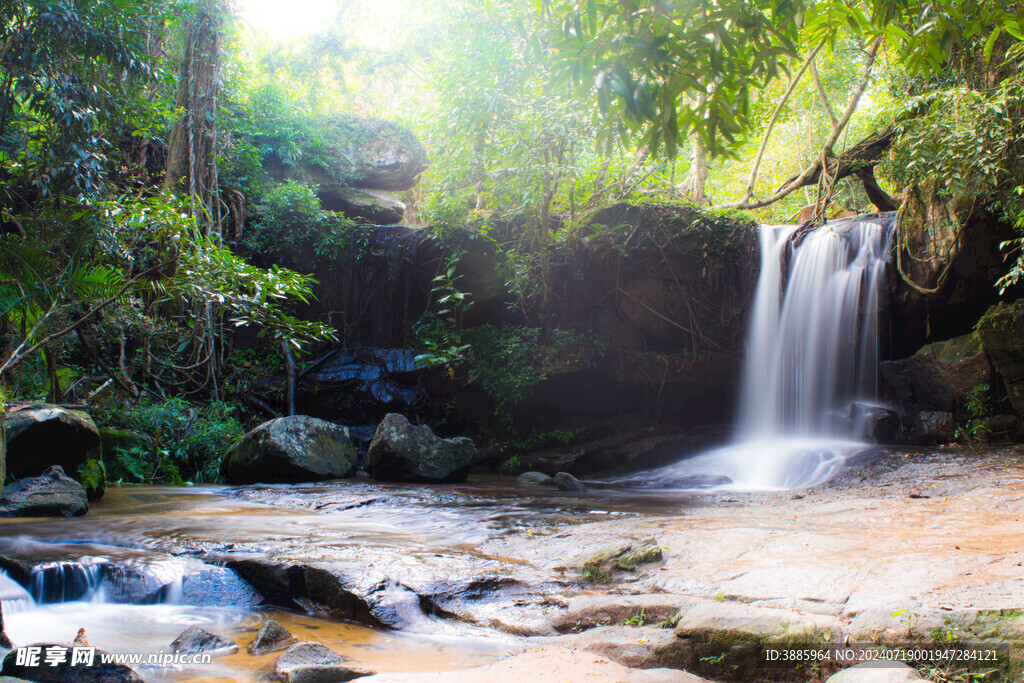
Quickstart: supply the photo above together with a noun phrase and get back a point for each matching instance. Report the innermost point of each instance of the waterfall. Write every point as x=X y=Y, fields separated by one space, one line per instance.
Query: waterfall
x=812 y=359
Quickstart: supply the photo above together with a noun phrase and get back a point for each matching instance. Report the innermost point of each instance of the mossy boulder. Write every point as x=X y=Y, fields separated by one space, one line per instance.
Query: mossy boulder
x=401 y=451
x=41 y=435
x=1002 y=332
x=359 y=163
x=292 y=449
x=933 y=386
x=626 y=557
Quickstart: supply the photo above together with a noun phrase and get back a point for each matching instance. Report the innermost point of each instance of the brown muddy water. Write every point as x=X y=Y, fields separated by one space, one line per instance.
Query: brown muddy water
x=138 y=569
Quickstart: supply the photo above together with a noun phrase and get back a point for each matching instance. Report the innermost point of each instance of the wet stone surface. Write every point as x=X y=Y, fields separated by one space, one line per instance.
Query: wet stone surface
x=932 y=533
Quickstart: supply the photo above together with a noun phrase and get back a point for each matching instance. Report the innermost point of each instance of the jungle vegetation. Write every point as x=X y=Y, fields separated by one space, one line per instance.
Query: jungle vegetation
x=133 y=133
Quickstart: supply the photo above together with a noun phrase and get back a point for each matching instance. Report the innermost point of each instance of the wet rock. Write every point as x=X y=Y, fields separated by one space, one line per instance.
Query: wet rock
x=566 y=482
x=271 y=637
x=40 y=435
x=930 y=427
x=629 y=449
x=939 y=378
x=292 y=449
x=64 y=671
x=874 y=423
x=535 y=479
x=601 y=568
x=403 y=452
x=876 y=672
x=194 y=640
x=328 y=588
x=53 y=494
x=316 y=663
x=212 y=585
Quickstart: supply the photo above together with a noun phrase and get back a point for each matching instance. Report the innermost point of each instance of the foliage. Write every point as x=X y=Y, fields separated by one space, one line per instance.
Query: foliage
x=293 y=230
x=72 y=74
x=183 y=441
x=979 y=413
x=507 y=362
x=666 y=69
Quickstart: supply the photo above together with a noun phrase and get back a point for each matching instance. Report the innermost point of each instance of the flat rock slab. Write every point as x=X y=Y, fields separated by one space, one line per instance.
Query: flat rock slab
x=545 y=665
x=934 y=536
x=634 y=646
x=748 y=622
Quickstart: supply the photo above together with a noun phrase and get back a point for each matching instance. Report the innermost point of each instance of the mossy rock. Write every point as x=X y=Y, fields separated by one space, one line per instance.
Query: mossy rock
x=41 y=435
x=602 y=567
x=292 y=449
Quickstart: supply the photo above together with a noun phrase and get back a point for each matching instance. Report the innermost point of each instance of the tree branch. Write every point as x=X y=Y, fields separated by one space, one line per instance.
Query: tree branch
x=812 y=172
x=749 y=192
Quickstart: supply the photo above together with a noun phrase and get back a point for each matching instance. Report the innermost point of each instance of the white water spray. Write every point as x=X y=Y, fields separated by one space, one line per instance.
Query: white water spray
x=812 y=354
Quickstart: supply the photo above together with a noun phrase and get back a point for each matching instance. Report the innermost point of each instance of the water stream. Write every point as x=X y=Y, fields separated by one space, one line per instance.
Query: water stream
x=810 y=379
x=142 y=566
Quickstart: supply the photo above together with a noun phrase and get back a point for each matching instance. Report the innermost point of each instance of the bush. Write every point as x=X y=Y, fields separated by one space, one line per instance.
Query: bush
x=294 y=231
x=171 y=442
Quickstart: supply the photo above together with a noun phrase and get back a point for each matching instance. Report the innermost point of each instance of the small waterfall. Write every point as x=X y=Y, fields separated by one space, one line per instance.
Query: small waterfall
x=66 y=581
x=13 y=595
x=811 y=362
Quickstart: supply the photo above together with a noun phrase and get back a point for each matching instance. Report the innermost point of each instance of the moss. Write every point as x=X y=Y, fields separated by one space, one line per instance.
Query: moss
x=601 y=568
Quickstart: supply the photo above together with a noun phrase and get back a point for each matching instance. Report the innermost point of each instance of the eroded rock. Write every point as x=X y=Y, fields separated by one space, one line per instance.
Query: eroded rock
x=195 y=640
x=270 y=638
x=292 y=449
x=52 y=494
x=403 y=452
x=535 y=479
x=566 y=482
x=316 y=663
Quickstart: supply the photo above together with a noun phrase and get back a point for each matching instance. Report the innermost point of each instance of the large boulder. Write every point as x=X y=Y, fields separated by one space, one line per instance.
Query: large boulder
x=376 y=156
x=292 y=449
x=1002 y=331
x=403 y=452
x=376 y=206
x=52 y=494
x=933 y=387
x=40 y=435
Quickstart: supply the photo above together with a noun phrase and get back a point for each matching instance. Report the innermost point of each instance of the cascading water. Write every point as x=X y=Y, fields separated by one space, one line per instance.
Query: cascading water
x=812 y=360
